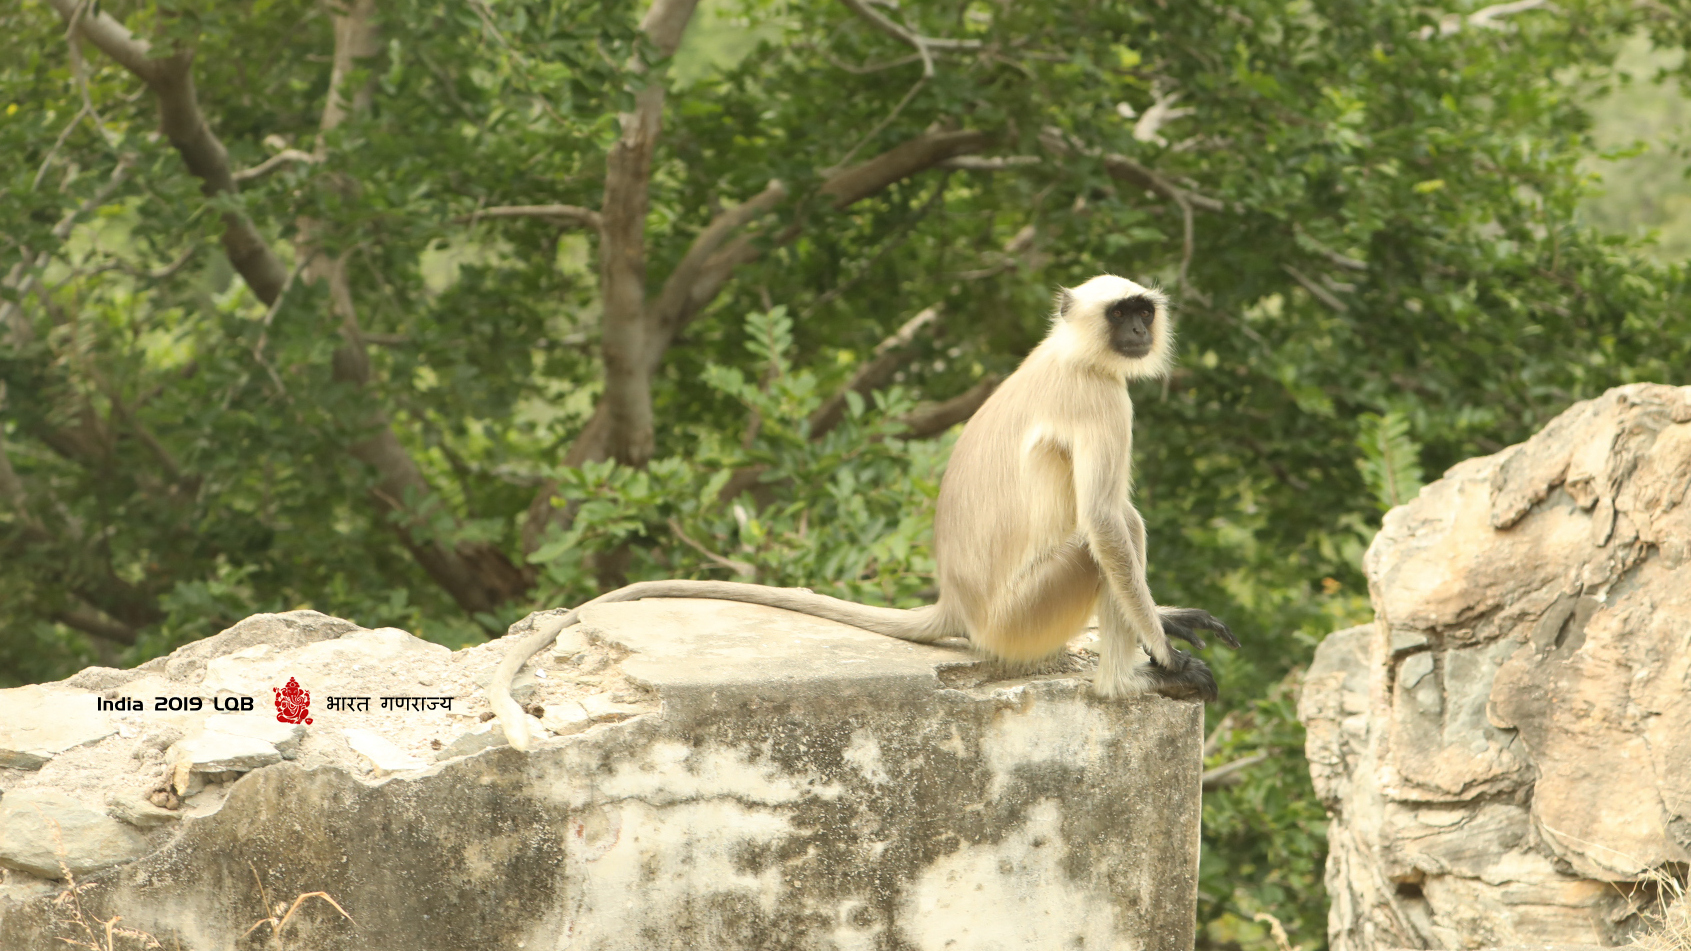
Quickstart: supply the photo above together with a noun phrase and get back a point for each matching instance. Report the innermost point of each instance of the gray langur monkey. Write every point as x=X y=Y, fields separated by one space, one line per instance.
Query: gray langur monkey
x=1035 y=528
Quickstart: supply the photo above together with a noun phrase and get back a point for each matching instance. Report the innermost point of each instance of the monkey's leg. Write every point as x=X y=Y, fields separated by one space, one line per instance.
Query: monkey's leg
x=1043 y=606
x=1122 y=672
x=1183 y=623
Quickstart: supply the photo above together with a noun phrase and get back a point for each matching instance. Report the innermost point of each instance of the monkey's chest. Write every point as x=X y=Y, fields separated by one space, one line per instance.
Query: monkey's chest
x=1044 y=495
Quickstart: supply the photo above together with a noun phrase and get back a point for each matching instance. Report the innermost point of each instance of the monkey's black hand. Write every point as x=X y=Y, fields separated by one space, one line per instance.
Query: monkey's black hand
x=1184 y=678
x=1184 y=623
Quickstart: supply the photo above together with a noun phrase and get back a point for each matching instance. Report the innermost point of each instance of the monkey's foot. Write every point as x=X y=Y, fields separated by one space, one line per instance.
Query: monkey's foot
x=1184 y=623
x=1186 y=678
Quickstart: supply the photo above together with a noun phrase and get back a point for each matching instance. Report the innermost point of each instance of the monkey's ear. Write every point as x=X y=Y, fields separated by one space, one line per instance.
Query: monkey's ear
x=1065 y=300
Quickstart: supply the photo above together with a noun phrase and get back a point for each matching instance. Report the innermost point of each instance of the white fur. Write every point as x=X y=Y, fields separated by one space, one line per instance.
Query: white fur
x=1078 y=335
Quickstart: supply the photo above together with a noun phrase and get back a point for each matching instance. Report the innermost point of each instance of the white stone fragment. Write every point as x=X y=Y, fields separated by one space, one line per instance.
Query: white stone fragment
x=38 y=723
x=139 y=812
x=571 y=641
x=215 y=752
x=602 y=709
x=40 y=829
x=566 y=718
x=382 y=754
x=284 y=736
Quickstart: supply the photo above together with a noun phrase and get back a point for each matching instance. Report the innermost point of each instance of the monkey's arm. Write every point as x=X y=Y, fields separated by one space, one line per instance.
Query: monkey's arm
x=1107 y=518
x=1183 y=623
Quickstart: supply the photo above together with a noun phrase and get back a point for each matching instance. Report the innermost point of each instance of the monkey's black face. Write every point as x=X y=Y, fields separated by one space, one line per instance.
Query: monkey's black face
x=1131 y=320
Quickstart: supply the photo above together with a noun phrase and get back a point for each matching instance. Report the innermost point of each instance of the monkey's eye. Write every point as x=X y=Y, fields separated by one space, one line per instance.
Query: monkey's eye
x=1137 y=307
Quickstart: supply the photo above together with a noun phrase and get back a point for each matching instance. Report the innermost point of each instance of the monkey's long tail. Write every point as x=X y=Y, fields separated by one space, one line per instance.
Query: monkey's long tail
x=923 y=625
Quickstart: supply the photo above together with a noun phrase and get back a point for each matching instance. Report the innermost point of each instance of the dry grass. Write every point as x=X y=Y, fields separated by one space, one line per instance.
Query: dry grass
x=93 y=933
x=1669 y=917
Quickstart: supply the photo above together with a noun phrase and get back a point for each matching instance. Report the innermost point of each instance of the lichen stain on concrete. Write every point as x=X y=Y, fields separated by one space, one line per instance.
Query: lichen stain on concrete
x=653 y=869
x=1007 y=895
x=1043 y=732
x=864 y=752
x=672 y=771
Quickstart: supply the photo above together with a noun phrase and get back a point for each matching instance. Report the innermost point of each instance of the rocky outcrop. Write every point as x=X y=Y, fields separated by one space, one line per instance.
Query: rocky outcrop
x=710 y=776
x=1506 y=752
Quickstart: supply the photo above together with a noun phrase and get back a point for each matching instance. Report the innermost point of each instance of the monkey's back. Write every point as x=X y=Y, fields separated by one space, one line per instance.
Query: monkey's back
x=1007 y=506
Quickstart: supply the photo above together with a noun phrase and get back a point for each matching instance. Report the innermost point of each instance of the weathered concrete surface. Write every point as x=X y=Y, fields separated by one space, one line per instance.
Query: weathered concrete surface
x=1507 y=752
x=720 y=776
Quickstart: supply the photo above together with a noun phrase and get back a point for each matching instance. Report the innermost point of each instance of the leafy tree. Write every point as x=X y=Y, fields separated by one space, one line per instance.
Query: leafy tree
x=428 y=313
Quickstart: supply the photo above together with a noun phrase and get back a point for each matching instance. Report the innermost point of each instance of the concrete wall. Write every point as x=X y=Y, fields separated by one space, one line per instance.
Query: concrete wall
x=713 y=775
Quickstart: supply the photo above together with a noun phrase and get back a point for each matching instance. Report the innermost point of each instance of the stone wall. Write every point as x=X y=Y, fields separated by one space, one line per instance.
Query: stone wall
x=712 y=775
x=1506 y=752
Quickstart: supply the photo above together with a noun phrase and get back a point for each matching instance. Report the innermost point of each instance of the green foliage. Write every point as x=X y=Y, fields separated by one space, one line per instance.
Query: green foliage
x=1642 y=129
x=1388 y=239
x=1389 y=463
x=849 y=514
x=1267 y=828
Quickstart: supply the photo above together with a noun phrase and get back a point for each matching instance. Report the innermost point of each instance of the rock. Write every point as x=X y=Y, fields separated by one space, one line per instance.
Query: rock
x=139 y=812
x=215 y=756
x=382 y=754
x=42 y=828
x=1507 y=750
x=733 y=777
x=285 y=737
x=38 y=723
x=101 y=678
x=482 y=737
x=566 y=719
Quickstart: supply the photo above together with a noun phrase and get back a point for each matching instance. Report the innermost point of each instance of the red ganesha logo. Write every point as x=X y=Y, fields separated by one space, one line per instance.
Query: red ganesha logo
x=293 y=703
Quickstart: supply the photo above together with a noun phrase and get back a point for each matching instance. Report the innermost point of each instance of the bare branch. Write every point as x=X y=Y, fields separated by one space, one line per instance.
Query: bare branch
x=271 y=164
x=111 y=37
x=683 y=297
x=704 y=269
x=932 y=419
x=13 y=493
x=666 y=21
x=52 y=153
x=171 y=80
x=872 y=67
x=1334 y=257
x=1160 y=112
x=20 y=277
x=142 y=432
x=622 y=279
x=622 y=252
x=889 y=356
x=901 y=162
x=558 y=214
x=170 y=270
x=908 y=37
x=355 y=39
x=1222 y=731
x=1487 y=17
x=870 y=135
x=270 y=317
x=476 y=574
x=1009 y=259
x=1124 y=169
x=1229 y=774
x=95 y=623
x=970 y=163
x=741 y=568
x=1320 y=293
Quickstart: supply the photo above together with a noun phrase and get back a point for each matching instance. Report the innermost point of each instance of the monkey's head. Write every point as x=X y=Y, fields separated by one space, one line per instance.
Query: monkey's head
x=1115 y=325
